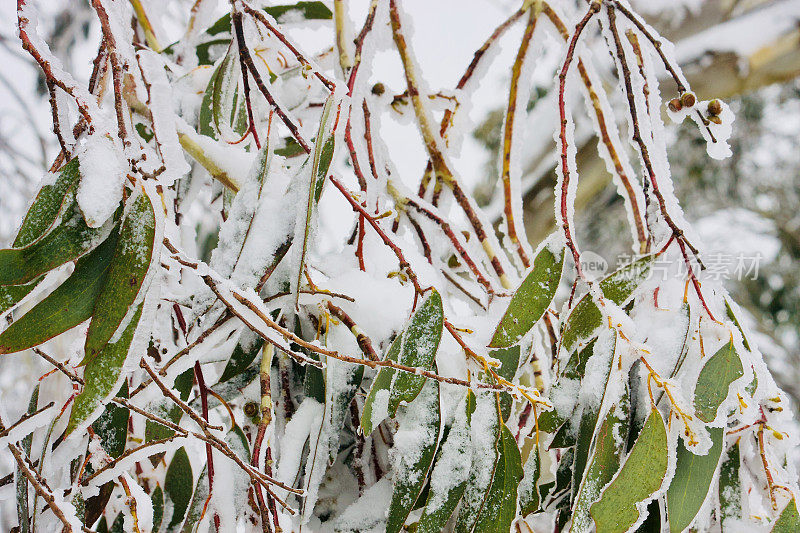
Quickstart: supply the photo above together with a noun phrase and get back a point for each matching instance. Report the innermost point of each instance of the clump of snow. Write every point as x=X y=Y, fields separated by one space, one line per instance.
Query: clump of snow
x=103 y=169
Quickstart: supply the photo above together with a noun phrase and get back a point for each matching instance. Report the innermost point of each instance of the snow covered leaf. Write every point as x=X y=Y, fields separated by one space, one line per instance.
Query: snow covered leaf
x=198 y=504
x=617 y=287
x=714 y=381
x=412 y=453
x=43 y=213
x=101 y=377
x=621 y=504
x=500 y=507
x=609 y=449
x=730 y=486
x=167 y=409
x=416 y=346
x=485 y=435
x=509 y=359
x=125 y=281
x=342 y=381
x=66 y=307
x=449 y=476
x=531 y=299
x=68 y=241
x=789 y=519
x=244 y=353
x=528 y=488
x=223 y=110
x=178 y=488
x=157 y=500
x=23 y=509
x=112 y=425
x=692 y=480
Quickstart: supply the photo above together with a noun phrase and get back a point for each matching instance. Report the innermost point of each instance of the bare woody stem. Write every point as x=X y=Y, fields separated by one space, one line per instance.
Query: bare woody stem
x=562 y=82
x=508 y=135
x=247 y=59
x=363 y=341
x=637 y=137
x=116 y=69
x=613 y=152
x=440 y=166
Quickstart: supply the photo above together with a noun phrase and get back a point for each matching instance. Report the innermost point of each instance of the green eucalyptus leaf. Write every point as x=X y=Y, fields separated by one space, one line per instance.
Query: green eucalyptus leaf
x=67 y=306
x=125 y=281
x=449 y=476
x=789 y=519
x=412 y=455
x=609 y=449
x=691 y=482
x=416 y=346
x=531 y=299
x=157 y=500
x=68 y=241
x=101 y=378
x=730 y=486
x=528 y=488
x=242 y=356
x=501 y=501
x=112 y=425
x=617 y=287
x=23 y=512
x=485 y=433
x=621 y=503
x=714 y=381
x=178 y=487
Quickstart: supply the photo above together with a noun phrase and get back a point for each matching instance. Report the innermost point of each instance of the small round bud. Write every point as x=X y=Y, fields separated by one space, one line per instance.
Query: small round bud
x=715 y=119
x=714 y=107
x=675 y=105
x=688 y=99
x=378 y=89
x=251 y=409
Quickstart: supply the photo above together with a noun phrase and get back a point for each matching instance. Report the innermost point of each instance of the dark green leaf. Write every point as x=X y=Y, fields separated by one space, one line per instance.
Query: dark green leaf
x=157 y=500
x=531 y=299
x=730 y=486
x=112 y=425
x=714 y=381
x=528 y=487
x=101 y=378
x=416 y=346
x=640 y=477
x=68 y=241
x=604 y=463
x=243 y=355
x=415 y=446
x=689 y=487
x=178 y=487
x=449 y=476
x=501 y=502
x=67 y=306
x=23 y=515
x=126 y=275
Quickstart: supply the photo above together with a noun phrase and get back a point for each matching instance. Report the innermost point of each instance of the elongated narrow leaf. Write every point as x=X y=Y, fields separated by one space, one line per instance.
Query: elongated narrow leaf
x=412 y=454
x=157 y=500
x=50 y=201
x=101 y=377
x=621 y=504
x=416 y=346
x=689 y=487
x=68 y=241
x=789 y=519
x=604 y=463
x=126 y=275
x=715 y=380
x=66 y=307
x=243 y=355
x=531 y=299
x=198 y=504
x=321 y=159
x=485 y=433
x=730 y=487
x=528 y=488
x=178 y=487
x=501 y=501
x=23 y=513
x=617 y=287
x=449 y=476
x=112 y=425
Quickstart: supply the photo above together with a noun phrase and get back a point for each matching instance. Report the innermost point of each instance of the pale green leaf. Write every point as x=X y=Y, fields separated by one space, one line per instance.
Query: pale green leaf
x=714 y=381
